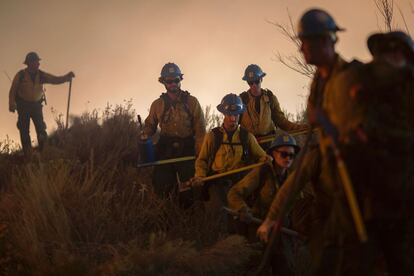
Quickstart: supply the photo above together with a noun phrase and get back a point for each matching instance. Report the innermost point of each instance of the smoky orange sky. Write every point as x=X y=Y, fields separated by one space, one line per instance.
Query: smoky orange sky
x=117 y=48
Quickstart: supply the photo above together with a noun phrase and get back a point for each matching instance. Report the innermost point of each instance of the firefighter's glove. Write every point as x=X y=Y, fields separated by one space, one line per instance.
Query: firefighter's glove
x=263 y=232
x=196 y=182
x=245 y=215
x=197 y=187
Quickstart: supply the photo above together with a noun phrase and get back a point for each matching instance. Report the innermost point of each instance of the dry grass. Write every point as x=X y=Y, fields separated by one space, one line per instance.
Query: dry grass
x=82 y=208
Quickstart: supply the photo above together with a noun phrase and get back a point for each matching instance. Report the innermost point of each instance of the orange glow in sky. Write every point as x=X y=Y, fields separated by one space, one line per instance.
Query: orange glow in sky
x=117 y=48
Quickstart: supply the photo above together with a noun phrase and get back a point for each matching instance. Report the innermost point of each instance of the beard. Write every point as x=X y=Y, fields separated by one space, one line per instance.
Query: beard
x=173 y=90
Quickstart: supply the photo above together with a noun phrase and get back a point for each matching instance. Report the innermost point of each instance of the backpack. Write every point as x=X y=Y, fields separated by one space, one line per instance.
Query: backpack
x=168 y=104
x=218 y=141
x=245 y=98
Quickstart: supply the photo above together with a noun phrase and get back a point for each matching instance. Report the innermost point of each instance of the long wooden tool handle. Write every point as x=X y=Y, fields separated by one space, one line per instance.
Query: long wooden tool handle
x=249 y=167
x=166 y=161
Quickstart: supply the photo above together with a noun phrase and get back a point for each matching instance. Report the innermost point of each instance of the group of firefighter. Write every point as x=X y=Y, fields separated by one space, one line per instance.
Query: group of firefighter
x=347 y=194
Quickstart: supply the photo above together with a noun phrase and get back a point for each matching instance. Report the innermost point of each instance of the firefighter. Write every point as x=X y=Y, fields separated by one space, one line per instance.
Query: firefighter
x=263 y=113
x=264 y=181
x=317 y=31
x=352 y=103
x=182 y=129
x=27 y=96
x=253 y=195
x=226 y=148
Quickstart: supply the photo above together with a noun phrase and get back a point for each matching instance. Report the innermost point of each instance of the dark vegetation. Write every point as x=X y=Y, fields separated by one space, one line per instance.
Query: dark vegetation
x=82 y=208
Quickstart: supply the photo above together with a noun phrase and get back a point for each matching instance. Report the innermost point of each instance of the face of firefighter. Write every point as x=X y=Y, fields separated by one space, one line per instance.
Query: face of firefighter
x=230 y=122
x=318 y=50
x=172 y=84
x=255 y=87
x=33 y=65
x=284 y=156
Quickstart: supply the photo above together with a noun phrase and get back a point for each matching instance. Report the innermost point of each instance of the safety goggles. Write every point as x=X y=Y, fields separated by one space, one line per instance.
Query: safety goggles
x=285 y=154
x=254 y=82
x=176 y=81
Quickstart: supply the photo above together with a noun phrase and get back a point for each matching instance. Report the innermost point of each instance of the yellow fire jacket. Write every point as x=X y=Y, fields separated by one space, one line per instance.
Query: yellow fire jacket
x=270 y=116
x=23 y=86
x=228 y=157
x=262 y=183
x=311 y=173
x=184 y=118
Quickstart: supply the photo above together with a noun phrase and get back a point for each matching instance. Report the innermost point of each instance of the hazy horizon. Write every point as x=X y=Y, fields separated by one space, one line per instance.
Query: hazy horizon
x=117 y=48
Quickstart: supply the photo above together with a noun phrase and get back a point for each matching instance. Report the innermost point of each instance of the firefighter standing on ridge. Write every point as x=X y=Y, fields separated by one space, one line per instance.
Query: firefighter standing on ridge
x=27 y=96
x=182 y=129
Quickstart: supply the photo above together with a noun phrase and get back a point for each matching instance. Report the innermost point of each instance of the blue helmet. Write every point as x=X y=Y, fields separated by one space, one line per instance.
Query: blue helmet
x=253 y=72
x=231 y=104
x=170 y=70
x=316 y=22
x=378 y=42
x=284 y=140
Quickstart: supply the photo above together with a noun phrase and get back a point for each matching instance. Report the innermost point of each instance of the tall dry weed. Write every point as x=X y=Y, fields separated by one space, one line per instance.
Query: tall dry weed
x=82 y=205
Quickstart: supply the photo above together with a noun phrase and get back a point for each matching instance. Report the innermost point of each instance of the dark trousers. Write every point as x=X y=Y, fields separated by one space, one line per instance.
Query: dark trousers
x=165 y=177
x=26 y=111
x=165 y=180
x=215 y=196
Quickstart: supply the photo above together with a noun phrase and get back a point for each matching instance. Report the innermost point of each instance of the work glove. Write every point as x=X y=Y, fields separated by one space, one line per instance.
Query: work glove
x=245 y=215
x=197 y=187
x=263 y=232
x=196 y=182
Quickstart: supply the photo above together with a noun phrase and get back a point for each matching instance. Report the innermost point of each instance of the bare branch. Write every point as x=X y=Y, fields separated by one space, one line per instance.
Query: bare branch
x=386 y=10
x=296 y=64
x=293 y=62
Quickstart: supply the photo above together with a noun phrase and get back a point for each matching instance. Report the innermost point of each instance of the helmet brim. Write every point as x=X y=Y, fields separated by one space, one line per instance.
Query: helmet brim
x=255 y=78
x=224 y=111
x=296 y=147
